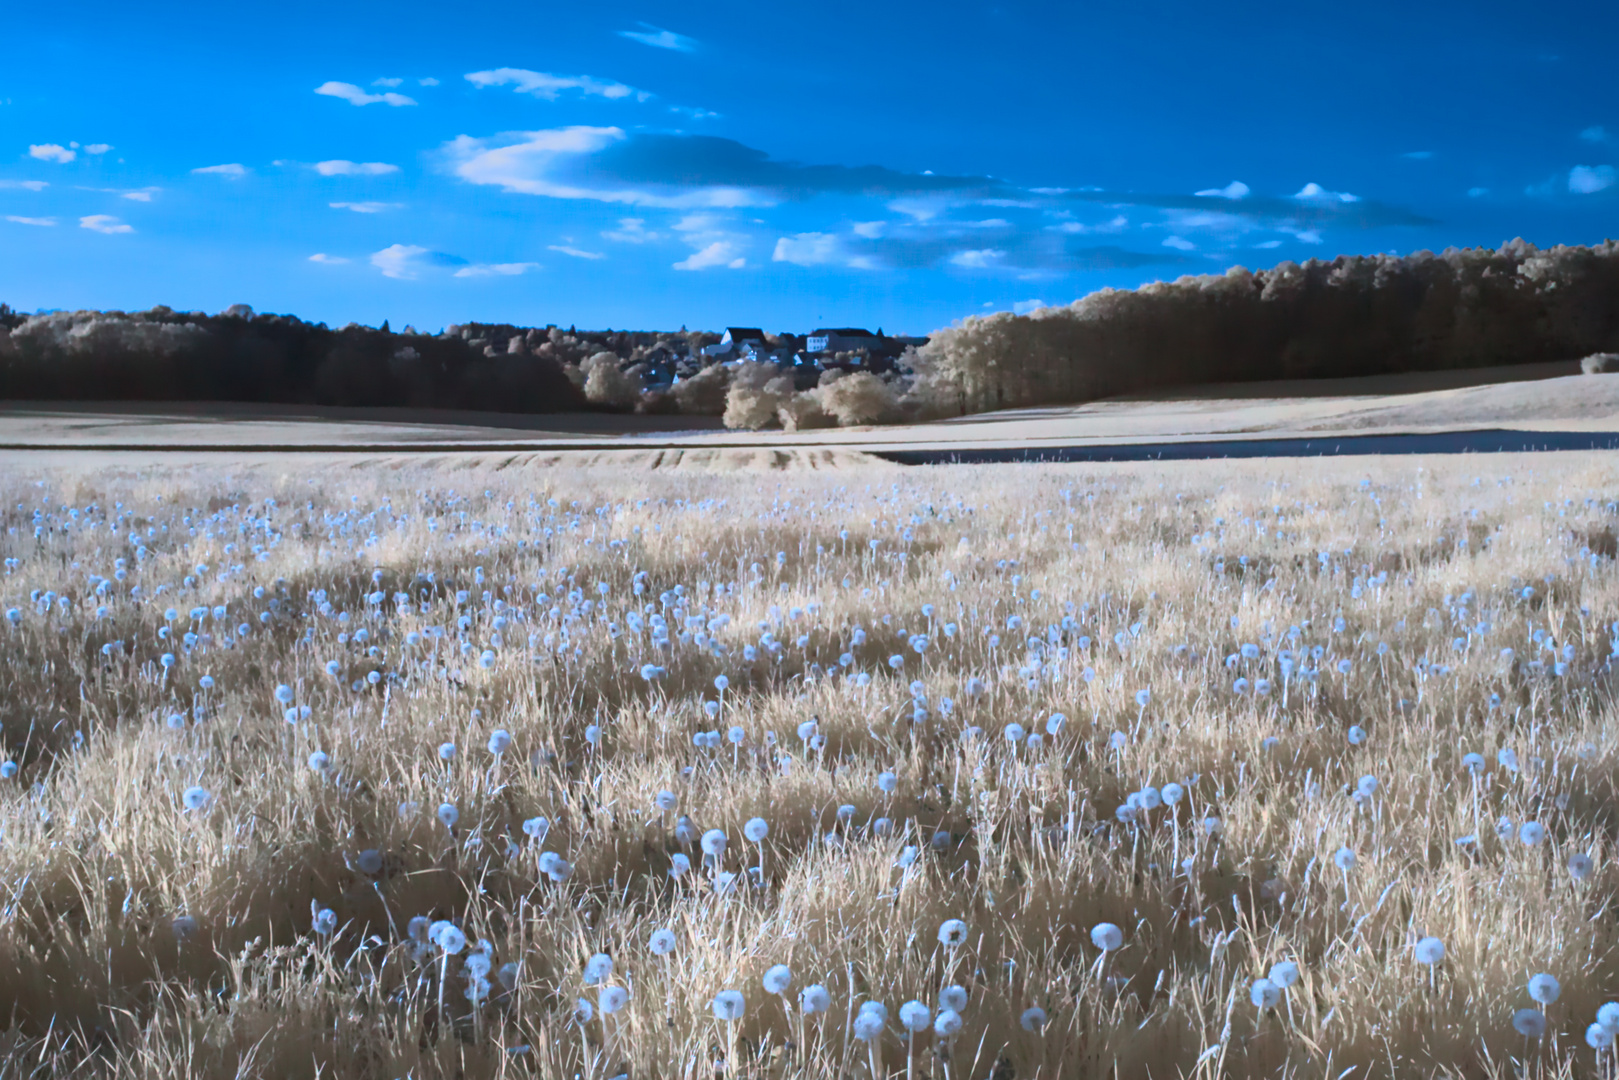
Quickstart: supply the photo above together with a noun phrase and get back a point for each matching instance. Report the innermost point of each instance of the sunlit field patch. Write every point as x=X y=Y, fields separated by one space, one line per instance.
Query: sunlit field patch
x=1252 y=769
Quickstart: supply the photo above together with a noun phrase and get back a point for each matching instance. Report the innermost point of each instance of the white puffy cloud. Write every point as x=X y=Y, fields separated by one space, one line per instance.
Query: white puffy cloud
x=429 y=81
x=1313 y=192
x=52 y=152
x=719 y=253
x=233 y=170
x=1595 y=133
x=97 y=148
x=809 y=249
x=1590 y=179
x=1106 y=228
x=354 y=168
x=30 y=220
x=355 y=96
x=660 y=39
x=871 y=230
x=496 y=269
x=328 y=260
x=576 y=252
x=1179 y=244
x=549 y=87
x=388 y=83
x=104 y=223
x=398 y=260
x=1234 y=190
x=979 y=259
x=365 y=207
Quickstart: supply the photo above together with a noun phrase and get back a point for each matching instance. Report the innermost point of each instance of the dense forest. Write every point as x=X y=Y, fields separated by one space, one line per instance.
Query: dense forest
x=1354 y=315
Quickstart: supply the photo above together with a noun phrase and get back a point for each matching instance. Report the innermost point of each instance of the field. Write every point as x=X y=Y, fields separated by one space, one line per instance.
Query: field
x=349 y=767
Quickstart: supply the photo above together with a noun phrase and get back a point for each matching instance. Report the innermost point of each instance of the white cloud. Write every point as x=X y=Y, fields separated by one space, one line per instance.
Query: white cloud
x=328 y=260
x=365 y=207
x=354 y=168
x=31 y=185
x=1106 y=228
x=576 y=252
x=1179 y=244
x=97 y=148
x=719 y=253
x=496 y=269
x=526 y=167
x=233 y=171
x=1023 y=307
x=1234 y=190
x=31 y=220
x=1308 y=236
x=1595 y=133
x=1266 y=245
x=809 y=249
x=1590 y=179
x=543 y=85
x=871 y=230
x=389 y=83
x=660 y=39
x=976 y=260
x=137 y=195
x=429 y=81
x=631 y=230
x=398 y=260
x=355 y=96
x=52 y=152
x=104 y=223
x=1313 y=192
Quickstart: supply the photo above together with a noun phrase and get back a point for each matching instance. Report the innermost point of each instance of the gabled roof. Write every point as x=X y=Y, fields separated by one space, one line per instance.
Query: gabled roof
x=745 y=333
x=845 y=331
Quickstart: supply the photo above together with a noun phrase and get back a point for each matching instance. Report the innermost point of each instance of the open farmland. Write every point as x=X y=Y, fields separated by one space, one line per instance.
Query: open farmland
x=348 y=770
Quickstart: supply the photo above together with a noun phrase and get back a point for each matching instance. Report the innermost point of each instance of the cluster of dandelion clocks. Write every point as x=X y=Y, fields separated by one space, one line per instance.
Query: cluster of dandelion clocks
x=932 y=774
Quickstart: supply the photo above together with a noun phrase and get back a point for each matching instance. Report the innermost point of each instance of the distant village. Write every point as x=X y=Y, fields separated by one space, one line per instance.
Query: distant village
x=806 y=357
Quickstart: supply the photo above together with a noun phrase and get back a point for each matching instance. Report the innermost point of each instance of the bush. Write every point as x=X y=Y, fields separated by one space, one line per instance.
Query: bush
x=756 y=392
x=704 y=393
x=860 y=398
x=802 y=412
x=1600 y=363
x=607 y=384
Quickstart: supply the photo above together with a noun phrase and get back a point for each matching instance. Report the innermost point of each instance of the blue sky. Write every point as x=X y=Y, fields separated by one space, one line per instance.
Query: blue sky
x=786 y=165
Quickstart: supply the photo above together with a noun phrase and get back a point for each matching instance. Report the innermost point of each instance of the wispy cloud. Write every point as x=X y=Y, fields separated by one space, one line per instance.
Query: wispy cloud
x=233 y=170
x=52 y=152
x=97 y=148
x=1314 y=192
x=327 y=260
x=977 y=258
x=1179 y=243
x=133 y=195
x=355 y=96
x=632 y=230
x=719 y=253
x=104 y=223
x=550 y=87
x=389 y=84
x=496 y=269
x=809 y=249
x=30 y=185
x=429 y=81
x=1590 y=179
x=354 y=168
x=660 y=39
x=1595 y=133
x=405 y=261
x=1023 y=307
x=366 y=207
x=576 y=252
x=19 y=220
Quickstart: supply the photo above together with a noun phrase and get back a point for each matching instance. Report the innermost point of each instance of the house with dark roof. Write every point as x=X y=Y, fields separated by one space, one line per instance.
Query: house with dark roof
x=842 y=339
x=735 y=338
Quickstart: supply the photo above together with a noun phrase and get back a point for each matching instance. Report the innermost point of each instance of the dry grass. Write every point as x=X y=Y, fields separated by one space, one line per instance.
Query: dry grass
x=1135 y=578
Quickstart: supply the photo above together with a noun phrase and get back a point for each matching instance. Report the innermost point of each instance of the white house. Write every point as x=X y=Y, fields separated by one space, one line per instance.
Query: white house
x=844 y=339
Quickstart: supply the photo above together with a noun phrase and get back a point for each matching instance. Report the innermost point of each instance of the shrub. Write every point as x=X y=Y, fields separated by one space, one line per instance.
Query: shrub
x=860 y=398
x=1600 y=363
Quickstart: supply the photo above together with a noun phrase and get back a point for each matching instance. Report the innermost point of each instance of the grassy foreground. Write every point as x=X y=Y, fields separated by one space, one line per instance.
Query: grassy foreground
x=283 y=745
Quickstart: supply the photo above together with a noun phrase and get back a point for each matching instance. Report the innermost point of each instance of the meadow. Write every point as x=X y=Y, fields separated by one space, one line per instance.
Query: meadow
x=337 y=770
